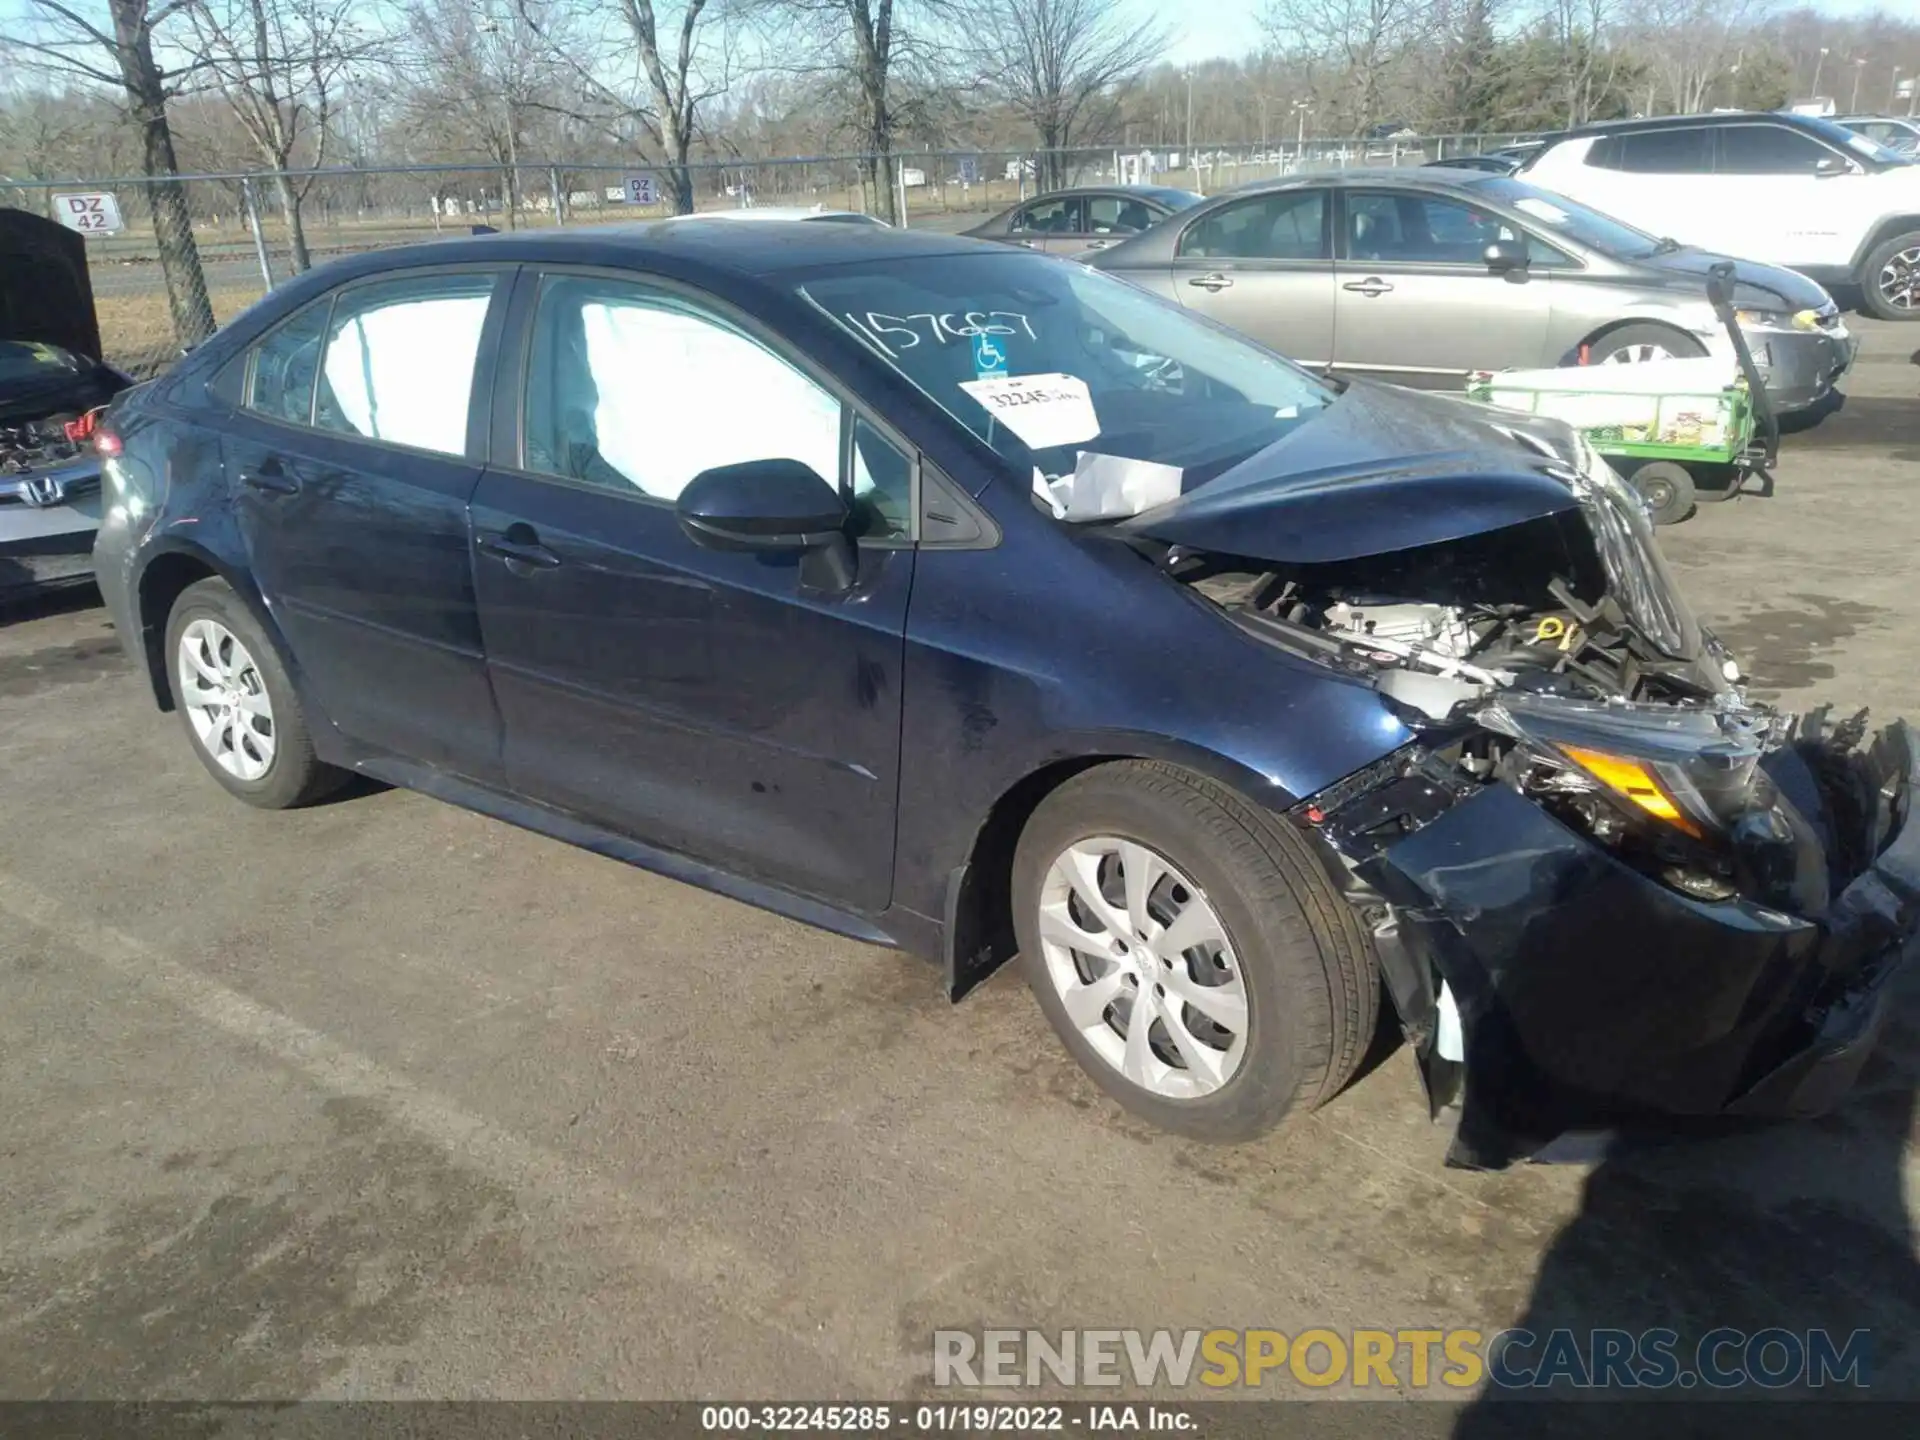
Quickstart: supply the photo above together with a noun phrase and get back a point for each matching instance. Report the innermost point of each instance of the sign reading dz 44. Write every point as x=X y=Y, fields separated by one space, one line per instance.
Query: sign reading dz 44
x=94 y=212
x=642 y=190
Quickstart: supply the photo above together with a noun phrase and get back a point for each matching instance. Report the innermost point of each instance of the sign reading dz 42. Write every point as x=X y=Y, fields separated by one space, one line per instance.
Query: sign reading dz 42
x=93 y=212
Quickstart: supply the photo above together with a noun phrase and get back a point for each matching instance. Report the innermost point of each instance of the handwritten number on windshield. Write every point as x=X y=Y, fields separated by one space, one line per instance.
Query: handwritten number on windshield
x=904 y=332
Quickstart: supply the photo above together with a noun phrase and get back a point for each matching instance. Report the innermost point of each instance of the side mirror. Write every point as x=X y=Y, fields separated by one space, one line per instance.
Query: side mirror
x=1503 y=256
x=761 y=505
x=1833 y=165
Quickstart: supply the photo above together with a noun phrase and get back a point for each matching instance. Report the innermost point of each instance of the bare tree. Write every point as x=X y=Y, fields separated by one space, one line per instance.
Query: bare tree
x=279 y=65
x=1062 y=66
x=1689 y=46
x=1365 y=40
x=117 y=51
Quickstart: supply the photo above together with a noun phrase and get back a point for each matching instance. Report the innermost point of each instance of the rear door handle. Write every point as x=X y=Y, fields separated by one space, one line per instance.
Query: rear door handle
x=518 y=547
x=270 y=478
x=1098 y=244
x=1370 y=287
x=1215 y=282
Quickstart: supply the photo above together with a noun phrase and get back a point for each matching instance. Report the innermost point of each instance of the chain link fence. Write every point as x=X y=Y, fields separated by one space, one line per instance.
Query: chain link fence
x=191 y=252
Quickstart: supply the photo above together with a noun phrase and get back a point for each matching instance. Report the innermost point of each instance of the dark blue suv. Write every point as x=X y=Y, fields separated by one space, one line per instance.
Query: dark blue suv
x=973 y=602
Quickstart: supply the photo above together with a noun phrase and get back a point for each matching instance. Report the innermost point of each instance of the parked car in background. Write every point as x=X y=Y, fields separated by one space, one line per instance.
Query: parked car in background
x=51 y=383
x=1069 y=222
x=788 y=212
x=1899 y=133
x=1493 y=163
x=1791 y=190
x=1422 y=276
x=720 y=549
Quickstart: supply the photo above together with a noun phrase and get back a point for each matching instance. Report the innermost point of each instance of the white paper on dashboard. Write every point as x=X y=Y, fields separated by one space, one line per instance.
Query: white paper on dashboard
x=1111 y=487
x=1043 y=410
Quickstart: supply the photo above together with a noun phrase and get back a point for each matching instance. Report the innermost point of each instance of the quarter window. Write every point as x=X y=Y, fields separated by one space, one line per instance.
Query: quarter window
x=399 y=358
x=285 y=363
x=1282 y=226
x=632 y=390
x=1768 y=150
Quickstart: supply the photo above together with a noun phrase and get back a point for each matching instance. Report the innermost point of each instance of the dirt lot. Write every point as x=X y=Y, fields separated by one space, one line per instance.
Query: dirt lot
x=386 y=1099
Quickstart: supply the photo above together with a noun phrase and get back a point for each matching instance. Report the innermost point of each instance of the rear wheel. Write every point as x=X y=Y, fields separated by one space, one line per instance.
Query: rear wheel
x=1636 y=344
x=1667 y=488
x=239 y=708
x=1189 y=951
x=1890 y=280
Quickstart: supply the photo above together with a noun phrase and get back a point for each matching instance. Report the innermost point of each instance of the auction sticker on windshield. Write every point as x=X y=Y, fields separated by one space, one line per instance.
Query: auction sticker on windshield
x=1043 y=410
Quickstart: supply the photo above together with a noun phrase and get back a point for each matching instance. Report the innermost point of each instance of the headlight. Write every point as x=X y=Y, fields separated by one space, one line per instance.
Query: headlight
x=1691 y=769
x=1777 y=319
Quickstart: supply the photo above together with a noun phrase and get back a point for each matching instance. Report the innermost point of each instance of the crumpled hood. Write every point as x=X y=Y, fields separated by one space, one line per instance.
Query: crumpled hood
x=1381 y=469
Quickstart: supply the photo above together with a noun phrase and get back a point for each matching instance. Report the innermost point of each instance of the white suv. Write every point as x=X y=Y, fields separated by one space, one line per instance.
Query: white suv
x=1785 y=189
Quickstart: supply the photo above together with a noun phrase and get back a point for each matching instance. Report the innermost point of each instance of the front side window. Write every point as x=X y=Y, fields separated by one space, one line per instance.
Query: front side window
x=1769 y=150
x=1424 y=229
x=632 y=389
x=399 y=358
x=1281 y=226
x=285 y=364
x=1049 y=217
x=1117 y=215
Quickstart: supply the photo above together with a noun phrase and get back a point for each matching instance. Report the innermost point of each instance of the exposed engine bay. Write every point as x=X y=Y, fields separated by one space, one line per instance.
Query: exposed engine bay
x=42 y=444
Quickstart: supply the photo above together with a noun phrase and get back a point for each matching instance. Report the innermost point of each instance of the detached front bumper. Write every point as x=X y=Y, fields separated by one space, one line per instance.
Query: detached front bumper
x=1801 y=367
x=1588 y=993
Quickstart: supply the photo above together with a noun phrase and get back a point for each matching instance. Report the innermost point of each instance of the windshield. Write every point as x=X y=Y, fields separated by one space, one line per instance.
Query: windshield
x=1048 y=361
x=25 y=362
x=1570 y=218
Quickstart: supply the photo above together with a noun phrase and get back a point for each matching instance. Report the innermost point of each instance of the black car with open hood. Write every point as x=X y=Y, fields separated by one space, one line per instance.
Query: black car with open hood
x=52 y=385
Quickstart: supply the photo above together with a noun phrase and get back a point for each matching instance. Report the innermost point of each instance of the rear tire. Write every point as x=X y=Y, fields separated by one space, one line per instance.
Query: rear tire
x=1285 y=978
x=237 y=705
x=1668 y=489
x=1890 y=280
x=1631 y=344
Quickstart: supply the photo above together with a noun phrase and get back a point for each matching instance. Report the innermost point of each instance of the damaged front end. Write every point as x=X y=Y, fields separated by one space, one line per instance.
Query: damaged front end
x=1603 y=883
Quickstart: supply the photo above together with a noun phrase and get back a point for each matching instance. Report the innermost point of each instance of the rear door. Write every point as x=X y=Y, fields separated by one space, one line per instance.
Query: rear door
x=1416 y=302
x=1264 y=265
x=1661 y=181
x=707 y=702
x=350 y=465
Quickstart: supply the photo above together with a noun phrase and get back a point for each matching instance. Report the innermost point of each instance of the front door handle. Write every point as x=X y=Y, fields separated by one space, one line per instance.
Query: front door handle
x=271 y=479
x=518 y=547
x=1098 y=244
x=1370 y=287
x=1215 y=282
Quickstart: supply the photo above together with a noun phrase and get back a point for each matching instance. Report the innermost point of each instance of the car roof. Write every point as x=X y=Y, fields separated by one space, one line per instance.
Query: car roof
x=773 y=212
x=690 y=242
x=1668 y=122
x=1405 y=176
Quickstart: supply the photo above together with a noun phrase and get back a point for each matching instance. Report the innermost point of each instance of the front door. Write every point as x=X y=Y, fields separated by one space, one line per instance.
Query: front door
x=350 y=470
x=1416 y=302
x=1264 y=266
x=1054 y=225
x=711 y=703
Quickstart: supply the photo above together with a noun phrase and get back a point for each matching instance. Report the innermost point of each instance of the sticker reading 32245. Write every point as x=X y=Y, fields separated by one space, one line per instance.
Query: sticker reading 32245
x=1043 y=410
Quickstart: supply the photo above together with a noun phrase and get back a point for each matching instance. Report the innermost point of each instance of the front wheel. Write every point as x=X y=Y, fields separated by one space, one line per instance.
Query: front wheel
x=1890 y=280
x=1189 y=951
x=239 y=708
x=1639 y=343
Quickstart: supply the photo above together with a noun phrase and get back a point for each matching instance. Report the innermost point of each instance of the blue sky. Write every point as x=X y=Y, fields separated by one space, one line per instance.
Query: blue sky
x=1232 y=27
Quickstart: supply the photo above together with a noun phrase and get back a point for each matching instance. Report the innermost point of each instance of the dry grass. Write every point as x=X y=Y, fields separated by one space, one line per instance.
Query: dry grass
x=136 y=331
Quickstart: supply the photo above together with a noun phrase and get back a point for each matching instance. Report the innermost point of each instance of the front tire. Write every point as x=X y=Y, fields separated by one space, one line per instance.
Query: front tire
x=1637 y=343
x=1890 y=280
x=239 y=709
x=1142 y=891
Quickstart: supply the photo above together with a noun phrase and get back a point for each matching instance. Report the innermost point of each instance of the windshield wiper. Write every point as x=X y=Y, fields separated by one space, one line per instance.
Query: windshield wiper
x=1667 y=246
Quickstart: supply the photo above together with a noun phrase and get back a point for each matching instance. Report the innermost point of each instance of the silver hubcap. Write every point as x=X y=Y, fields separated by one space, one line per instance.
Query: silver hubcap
x=225 y=700
x=1144 y=968
x=1635 y=354
x=1900 y=279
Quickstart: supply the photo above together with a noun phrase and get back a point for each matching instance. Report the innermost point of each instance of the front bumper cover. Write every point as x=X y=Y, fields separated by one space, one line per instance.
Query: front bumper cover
x=1801 y=368
x=1591 y=995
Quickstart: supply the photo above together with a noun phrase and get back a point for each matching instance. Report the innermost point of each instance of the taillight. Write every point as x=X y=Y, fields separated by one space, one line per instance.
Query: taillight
x=106 y=443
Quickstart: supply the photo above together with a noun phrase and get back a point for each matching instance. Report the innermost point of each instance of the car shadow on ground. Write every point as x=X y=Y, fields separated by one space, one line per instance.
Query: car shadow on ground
x=1795 y=1227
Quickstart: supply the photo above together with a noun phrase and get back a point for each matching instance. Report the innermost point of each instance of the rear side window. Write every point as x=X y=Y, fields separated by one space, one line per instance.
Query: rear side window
x=1288 y=225
x=1768 y=150
x=1685 y=150
x=399 y=358
x=285 y=363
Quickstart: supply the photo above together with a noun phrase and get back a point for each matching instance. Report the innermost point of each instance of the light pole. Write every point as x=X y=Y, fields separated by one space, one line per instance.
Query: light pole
x=509 y=199
x=1816 y=73
x=1853 y=102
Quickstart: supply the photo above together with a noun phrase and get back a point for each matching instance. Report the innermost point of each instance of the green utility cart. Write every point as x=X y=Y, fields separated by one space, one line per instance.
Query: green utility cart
x=1679 y=430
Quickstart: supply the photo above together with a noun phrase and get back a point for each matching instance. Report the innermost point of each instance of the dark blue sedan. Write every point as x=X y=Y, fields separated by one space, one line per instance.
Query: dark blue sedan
x=977 y=603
